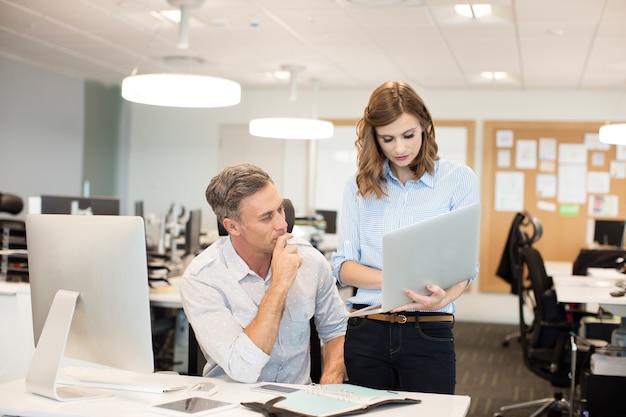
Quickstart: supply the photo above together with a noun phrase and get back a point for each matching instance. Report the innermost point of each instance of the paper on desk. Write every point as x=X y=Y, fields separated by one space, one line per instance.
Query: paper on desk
x=608 y=365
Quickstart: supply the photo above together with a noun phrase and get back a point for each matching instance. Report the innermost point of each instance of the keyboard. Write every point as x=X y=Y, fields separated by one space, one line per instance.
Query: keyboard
x=111 y=378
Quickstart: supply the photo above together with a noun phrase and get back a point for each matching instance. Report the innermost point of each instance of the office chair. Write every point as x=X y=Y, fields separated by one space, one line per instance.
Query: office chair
x=546 y=339
x=11 y=203
x=12 y=236
x=525 y=230
x=196 y=359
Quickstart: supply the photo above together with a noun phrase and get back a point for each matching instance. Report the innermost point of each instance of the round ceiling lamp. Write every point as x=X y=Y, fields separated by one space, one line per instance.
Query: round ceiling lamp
x=291 y=128
x=614 y=134
x=181 y=90
x=177 y=89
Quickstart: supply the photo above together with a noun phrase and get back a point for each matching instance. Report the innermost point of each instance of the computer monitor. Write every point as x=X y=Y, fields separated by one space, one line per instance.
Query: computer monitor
x=609 y=232
x=139 y=208
x=330 y=216
x=193 y=229
x=56 y=204
x=89 y=295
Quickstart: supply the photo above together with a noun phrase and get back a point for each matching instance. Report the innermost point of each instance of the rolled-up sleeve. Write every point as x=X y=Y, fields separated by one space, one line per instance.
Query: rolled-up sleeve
x=219 y=327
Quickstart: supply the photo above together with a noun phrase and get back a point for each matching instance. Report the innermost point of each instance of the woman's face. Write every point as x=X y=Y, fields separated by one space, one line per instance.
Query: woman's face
x=400 y=141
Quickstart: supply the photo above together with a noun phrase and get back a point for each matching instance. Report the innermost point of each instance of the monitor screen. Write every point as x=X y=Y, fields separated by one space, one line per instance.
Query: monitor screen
x=139 y=208
x=56 y=204
x=193 y=229
x=102 y=259
x=330 y=216
x=609 y=232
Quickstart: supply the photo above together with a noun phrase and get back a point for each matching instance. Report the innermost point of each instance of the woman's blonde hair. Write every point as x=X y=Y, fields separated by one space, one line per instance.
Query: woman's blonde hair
x=386 y=104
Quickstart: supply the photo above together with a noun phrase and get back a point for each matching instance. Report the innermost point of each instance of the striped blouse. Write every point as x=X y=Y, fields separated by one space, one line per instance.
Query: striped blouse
x=364 y=221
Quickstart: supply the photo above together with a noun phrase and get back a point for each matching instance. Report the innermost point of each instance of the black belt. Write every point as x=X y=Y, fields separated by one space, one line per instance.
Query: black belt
x=406 y=318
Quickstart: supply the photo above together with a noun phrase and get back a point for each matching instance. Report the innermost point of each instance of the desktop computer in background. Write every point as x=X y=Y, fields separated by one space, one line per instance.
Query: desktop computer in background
x=56 y=204
x=609 y=233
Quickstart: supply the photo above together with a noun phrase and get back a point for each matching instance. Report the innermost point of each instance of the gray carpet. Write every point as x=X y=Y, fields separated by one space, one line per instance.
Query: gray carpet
x=493 y=375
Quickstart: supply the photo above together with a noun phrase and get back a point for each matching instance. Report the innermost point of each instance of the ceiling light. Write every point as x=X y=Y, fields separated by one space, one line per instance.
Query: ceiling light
x=493 y=75
x=291 y=128
x=281 y=75
x=171 y=15
x=473 y=11
x=614 y=134
x=181 y=90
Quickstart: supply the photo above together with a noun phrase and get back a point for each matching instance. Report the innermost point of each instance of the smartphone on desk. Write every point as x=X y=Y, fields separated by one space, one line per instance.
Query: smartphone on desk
x=192 y=407
x=274 y=389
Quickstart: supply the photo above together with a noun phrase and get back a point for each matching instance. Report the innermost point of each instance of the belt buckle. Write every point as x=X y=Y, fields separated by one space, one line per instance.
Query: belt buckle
x=400 y=318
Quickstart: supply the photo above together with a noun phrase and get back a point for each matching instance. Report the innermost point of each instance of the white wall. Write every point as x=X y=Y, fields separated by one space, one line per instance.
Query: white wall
x=41 y=131
x=171 y=154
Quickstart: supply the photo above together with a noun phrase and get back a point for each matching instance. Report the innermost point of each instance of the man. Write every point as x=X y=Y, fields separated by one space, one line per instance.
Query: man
x=249 y=296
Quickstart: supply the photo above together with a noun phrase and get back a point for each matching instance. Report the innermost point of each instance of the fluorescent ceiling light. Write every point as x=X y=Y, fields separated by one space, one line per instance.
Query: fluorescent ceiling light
x=473 y=11
x=614 y=134
x=181 y=90
x=493 y=75
x=172 y=15
x=291 y=128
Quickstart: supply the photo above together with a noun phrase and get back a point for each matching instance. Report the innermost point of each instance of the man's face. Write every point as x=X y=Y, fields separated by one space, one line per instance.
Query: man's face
x=262 y=219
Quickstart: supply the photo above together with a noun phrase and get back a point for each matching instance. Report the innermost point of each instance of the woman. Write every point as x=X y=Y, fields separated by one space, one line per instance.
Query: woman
x=400 y=180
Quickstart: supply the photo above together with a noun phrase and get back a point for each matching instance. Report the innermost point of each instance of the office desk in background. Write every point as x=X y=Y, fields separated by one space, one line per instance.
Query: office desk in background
x=589 y=289
x=603 y=393
x=168 y=298
x=14 y=400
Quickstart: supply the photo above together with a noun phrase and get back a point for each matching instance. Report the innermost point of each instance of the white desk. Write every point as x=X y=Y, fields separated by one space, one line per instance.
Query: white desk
x=16 y=328
x=15 y=401
x=168 y=297
x=587 y=289
x=608 y=273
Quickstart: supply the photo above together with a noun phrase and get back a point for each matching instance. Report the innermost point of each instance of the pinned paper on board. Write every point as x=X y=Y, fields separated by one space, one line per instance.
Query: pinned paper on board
x=603 y=205
x=509 y=191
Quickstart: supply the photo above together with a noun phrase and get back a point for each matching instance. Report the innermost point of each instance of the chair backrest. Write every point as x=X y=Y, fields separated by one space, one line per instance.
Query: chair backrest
x=290 y=217
x=525 y=230
x=544 y=338
x=11 y=203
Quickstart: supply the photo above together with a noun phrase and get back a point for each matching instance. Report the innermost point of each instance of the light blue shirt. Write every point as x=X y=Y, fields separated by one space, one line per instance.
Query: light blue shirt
x=221 y=295
x=364 y=221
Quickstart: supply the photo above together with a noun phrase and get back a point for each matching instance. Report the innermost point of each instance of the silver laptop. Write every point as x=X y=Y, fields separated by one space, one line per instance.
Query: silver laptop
x=442 y=250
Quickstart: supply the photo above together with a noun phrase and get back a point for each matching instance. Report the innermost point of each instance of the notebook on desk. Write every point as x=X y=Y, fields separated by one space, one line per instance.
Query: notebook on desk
x=441 y=250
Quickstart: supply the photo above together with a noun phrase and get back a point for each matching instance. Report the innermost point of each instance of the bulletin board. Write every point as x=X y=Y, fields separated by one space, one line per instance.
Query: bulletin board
x=560 y=173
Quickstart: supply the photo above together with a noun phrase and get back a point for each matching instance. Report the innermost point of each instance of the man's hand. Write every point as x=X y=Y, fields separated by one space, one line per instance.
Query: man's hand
x=285 y=262
x=263 y=329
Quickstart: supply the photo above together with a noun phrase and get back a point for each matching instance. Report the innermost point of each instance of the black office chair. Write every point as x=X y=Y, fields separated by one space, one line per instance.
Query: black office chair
x=12 y=236
x=546 y=339
x=525 y=230
x=196 y=359
x=11 y=203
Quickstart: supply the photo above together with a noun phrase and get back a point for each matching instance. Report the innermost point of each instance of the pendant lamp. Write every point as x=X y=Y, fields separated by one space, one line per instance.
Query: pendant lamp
x=178 y=89
x=292 y=127
x=614 y=134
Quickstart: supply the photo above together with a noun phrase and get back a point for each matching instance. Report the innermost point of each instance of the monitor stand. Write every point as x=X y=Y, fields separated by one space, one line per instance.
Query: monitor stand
x=44 y=367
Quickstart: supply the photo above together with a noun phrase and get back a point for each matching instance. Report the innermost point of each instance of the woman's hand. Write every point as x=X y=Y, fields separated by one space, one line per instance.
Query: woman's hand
x=432 y=301
x=435 y=300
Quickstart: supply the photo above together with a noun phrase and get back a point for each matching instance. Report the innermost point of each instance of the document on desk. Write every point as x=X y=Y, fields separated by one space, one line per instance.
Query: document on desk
x=111 y=378
x=330 y=400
